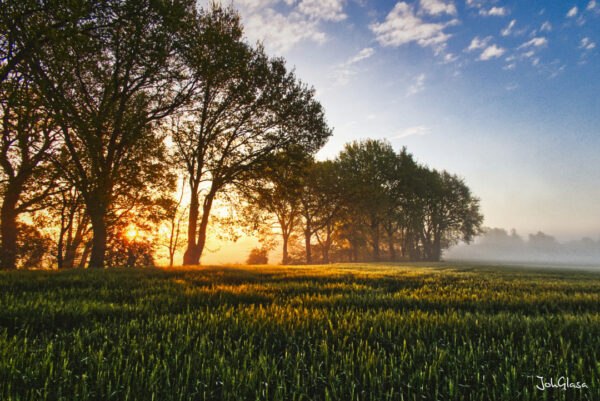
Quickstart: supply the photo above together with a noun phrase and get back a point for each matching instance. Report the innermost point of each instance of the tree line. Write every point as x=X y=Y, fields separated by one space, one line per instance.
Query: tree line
x=368 y=204
x=105 y=105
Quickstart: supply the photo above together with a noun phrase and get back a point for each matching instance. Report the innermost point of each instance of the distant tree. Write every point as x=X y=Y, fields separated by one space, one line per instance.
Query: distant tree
x=321 y=199
x=370 y=168
x=258 y=256
x=108 y=74
x=451 y=214
x=31 y=247
x=273 y=188
x=246 y=107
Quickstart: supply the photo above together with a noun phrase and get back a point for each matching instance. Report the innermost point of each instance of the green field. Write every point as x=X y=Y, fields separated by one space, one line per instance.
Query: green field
x=339 y=332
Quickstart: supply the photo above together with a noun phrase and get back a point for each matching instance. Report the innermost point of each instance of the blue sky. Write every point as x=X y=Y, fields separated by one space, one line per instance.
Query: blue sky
x=504 y=94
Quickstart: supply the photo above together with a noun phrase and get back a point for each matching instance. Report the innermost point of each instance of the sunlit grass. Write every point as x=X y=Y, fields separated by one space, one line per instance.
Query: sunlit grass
x=345 y=332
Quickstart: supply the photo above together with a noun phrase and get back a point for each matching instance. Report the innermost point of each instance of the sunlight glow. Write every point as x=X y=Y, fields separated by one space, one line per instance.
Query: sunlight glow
x=131 y=233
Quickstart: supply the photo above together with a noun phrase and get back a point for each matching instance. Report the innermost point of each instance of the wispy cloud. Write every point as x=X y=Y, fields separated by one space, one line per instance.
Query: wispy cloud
x=494 y=12
x=436 y=7
x=417 y=86
x=535 y=42
x=508 y=30
x=477 y=43
x=572 y=12
x=363 y=54
x=402 y=26
x=490 y=52
x=546 y=27
x=281 y=33
x=345 y=71
x=327 y=10
x=587 y=44
x=412 y=131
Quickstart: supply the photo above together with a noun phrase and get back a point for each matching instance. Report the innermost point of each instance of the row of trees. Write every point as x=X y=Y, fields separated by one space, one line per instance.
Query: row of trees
x=104 y=103
x=369 y=203
x=122 y=116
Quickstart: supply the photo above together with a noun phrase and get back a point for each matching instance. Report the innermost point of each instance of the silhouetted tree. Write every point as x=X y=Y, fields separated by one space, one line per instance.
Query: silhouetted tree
x=109 y=74
x=246 y=107
x=28 y=137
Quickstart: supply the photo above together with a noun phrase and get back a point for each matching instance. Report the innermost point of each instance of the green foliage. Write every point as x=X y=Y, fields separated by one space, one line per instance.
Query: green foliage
x=347 y=332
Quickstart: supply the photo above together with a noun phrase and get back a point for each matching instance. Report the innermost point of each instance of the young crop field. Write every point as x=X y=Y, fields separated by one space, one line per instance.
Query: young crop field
x=338 y=332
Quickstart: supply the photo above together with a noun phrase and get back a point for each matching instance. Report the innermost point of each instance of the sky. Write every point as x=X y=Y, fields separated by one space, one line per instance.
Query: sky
x=503 y=94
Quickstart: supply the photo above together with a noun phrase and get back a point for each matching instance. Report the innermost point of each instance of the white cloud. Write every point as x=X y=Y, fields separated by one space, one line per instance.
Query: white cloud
x=416 y=86
x=535 y=42
x=449 y=57
x=435 y=7
x=591 y=5
x=587 y=44
x=252 y=5
x=528 y=54
x=546 y=27
x=494 y=12
x=280 y=33
x=475 y=3
x=327 y=10
x=572 y=12
x=402 y=26
x=345 y=71
x=507 y=31
x=363 y=54
x=491 y=52
x=477 y=43
x=415 y=130
x=555 y=73
x=512 y=86
x=510 y=66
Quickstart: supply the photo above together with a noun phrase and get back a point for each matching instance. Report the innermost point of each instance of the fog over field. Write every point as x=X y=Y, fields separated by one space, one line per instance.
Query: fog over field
x=499 y=245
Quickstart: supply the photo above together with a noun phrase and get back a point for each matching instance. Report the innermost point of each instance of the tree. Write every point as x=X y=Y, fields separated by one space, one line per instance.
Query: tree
x=28 y=135
x=274 y=188
x=258 y=256
x=320 y=200
x=109 y=75
x=31 y=247
x=369 y=169
x=451 y=213
x=245 y=107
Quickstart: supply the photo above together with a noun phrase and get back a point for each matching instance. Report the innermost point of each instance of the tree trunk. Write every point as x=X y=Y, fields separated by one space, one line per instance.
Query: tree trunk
x=190 y=256
x=392 y=249
x=375 y=227
x=286 y=258
x=208 y=201
x=193 y=257
x=325 y=252
x=307 y=243
x=436 y=253
x=98 y=240
x=8 y=229
x=84 y=255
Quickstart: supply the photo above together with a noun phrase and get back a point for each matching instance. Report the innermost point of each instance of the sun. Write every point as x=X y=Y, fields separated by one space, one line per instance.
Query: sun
x=131 y=233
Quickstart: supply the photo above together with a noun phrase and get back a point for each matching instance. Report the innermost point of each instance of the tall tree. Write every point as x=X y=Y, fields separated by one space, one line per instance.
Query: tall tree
x=274 y=188
x=321 y=198
x=108 y=77
x=246 y=107
x=369 y=168
x=28 y=136
x=451 y=214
